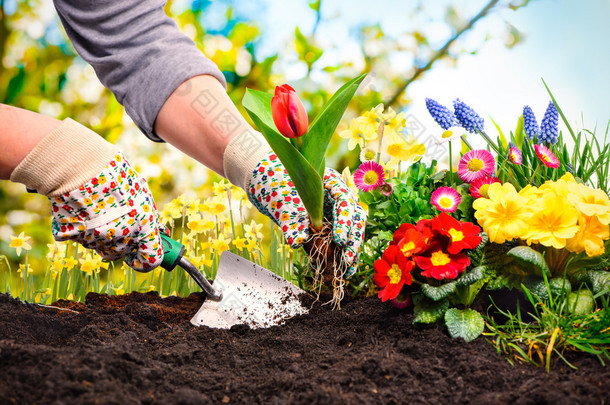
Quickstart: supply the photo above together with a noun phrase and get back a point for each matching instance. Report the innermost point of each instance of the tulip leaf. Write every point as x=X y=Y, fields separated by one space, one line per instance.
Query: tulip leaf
x=259 y=103
x=465 y=323
x=321 y=130
x=306 y=179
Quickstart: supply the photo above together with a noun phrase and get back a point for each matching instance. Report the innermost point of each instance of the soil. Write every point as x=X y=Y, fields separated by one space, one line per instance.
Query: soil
x=142 y=349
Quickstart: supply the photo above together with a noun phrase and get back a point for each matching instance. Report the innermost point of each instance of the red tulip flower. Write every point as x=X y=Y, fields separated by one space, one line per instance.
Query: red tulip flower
x=288 y=112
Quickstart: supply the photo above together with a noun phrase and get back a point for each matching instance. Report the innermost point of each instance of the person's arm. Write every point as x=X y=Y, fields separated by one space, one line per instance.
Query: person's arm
x=20 y=131
x=136 y=50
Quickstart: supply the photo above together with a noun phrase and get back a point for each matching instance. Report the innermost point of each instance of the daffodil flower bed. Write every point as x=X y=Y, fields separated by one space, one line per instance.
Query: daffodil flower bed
x=223 y=221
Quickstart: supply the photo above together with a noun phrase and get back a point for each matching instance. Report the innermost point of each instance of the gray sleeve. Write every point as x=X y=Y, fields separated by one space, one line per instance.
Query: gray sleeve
x=136 y=50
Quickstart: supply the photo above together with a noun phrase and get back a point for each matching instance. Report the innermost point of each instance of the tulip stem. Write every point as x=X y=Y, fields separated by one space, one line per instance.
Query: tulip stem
x=298 y=142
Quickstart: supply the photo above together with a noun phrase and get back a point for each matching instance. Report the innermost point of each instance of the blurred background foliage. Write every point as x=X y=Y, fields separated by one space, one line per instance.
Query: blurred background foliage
x=40 y=71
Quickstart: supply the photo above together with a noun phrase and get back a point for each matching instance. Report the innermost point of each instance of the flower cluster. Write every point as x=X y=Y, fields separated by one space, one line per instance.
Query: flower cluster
x=560 y=214
x=431 y=250
x=379 y=136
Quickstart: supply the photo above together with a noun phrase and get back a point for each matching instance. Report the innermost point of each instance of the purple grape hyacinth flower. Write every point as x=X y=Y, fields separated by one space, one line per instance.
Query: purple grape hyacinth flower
x=468 y=118
x=549 y=126
x=441 y=114
x=530 y=125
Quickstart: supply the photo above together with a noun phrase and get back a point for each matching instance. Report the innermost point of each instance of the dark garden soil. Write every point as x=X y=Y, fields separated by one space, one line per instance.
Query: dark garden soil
x=140 y=348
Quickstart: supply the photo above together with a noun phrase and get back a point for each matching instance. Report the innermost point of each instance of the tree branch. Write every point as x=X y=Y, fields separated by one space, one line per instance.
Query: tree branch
x=440 y=53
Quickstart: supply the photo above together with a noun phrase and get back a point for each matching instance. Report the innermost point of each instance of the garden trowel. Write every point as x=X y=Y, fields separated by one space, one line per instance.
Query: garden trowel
x=243 y=292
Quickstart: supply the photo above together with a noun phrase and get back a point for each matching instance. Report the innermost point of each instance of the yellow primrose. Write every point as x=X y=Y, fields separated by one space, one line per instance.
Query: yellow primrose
x=504 y=214
x=20 y=242
x=591 y=202
x=553 y=224
x=590 y=237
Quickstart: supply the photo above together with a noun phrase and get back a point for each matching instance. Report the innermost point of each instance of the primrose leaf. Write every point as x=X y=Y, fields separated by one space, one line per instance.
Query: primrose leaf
x=321 y=130
x=438 y=293
x=471 y=277
x=558 y=286
x=597 y=280
x=465 y=323
x=530 y=260
x=428 y=311
x=581 y=302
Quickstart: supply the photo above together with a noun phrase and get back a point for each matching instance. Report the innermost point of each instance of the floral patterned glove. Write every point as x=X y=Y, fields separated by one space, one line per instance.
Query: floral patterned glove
x=272 y=192
x=113 y=213
x=97 y=198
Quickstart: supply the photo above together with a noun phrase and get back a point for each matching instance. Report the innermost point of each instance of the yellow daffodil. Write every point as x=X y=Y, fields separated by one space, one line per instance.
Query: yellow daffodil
x=504 y=214
x=92 y=263
x=220 y=244
x=197 y=224
x=553 y=223
x=20 y=243
x=240 y=243
x=22 y=268
x=253 y=231
x=222 y=187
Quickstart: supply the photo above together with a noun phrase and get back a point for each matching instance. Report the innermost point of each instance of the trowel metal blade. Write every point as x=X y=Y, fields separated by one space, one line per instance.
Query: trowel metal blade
x=252 y=295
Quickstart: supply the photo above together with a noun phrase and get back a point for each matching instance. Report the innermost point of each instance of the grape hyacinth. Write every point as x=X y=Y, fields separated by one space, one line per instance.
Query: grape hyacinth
x=441 y=114
x=468 y=118
x=530 y=125
x=549 y=127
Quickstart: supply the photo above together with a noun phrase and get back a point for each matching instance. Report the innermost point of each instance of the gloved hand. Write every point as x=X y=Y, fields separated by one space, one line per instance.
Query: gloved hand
x=272 y=192
x=97 y=198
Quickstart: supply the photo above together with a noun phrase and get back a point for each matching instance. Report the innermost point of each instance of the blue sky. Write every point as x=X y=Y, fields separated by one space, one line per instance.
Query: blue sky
x=567 y=43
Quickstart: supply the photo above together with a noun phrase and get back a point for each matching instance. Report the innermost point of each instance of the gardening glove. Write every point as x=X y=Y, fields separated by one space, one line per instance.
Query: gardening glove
x=270 y=189
x=97 y=198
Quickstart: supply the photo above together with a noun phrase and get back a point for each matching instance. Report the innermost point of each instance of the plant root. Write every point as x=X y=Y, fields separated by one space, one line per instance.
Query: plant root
x=327 y=262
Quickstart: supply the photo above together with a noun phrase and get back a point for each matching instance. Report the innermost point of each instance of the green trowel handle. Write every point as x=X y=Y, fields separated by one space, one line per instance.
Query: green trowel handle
x=172 y=253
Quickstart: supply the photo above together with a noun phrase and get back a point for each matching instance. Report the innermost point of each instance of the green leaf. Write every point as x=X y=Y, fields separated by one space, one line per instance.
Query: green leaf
x=530 y=260
x=558 y=286
x=581 y=302
x=306 y=179
x=321 y=130
x=438 y=293
x=597 y=280
x=502 y=137
x=259 y=103
x=472 y=276
x=428 y=311
x=519 y=134
x=465 y=323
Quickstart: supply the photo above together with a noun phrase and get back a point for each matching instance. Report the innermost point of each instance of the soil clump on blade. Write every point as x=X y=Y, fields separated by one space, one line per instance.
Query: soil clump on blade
x=142 y=349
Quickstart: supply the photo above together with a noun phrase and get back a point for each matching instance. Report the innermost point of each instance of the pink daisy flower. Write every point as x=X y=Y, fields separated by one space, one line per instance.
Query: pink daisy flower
x=479 y=187
x=446 y=199
x=369 y=176
x=514 y=155
x=475 y=164
x=548 y=158
x=387 y=189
